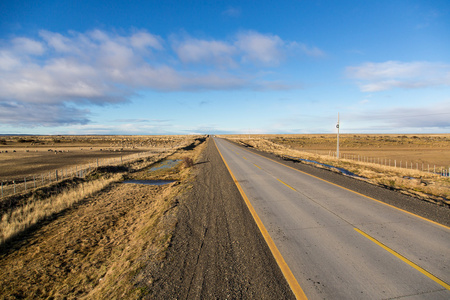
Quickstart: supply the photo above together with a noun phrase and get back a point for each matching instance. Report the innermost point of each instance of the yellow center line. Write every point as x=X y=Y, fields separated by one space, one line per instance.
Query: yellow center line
x=257 y=166
x=244 y=157
x=286 y=184
x=290 y=278
x=354 y=192
x=447 y=286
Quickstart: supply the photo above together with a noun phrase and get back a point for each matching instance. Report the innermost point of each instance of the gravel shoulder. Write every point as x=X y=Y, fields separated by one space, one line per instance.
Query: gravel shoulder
x=217 y=251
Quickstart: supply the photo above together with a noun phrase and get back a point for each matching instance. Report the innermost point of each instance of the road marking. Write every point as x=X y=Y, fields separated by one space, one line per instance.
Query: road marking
x=447 y=286
x=244 y=157
x=290 y=278
x=257 y=166
x=286 y=184
x=365 y=196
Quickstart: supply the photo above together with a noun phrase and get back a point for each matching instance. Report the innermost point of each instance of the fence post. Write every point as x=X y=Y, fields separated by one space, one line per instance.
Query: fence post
x=34 y=180
x=2 y=189
x=56 y=175
x=25 y=182
x=14 y=186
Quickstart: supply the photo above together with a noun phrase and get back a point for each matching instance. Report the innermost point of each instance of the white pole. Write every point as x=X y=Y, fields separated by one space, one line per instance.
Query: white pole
x=337 y=126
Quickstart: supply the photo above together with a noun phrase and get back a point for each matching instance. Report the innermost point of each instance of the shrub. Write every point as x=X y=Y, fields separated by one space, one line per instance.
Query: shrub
x=188 y=162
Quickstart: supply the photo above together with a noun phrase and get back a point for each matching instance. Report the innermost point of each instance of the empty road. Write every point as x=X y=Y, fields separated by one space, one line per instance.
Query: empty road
x=339 y=244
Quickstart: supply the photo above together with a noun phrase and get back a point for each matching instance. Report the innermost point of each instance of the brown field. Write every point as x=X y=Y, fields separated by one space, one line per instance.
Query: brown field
x=24 y=156
x=369 y=156
x=432 y=149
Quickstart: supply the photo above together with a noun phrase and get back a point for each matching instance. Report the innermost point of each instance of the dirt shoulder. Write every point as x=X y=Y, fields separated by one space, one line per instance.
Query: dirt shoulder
x=217 y=251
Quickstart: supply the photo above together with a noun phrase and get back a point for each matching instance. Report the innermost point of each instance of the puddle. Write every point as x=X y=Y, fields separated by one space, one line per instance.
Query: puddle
x=166 y=164
x=342 y=170
x=149 y=182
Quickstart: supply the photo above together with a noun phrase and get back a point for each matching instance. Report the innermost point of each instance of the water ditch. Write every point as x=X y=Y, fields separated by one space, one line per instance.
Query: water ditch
x=165 y=164
x=149 y=182
x=341 y=170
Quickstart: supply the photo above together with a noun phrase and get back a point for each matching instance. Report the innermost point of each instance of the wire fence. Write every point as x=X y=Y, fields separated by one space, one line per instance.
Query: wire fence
x=388 y=162
x=13 y=187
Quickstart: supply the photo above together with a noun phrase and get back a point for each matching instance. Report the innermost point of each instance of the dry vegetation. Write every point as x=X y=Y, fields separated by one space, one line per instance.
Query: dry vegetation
x=22 y=217
x=31 y=155
x=20 y=212
x=419 y=149
x=97 y=239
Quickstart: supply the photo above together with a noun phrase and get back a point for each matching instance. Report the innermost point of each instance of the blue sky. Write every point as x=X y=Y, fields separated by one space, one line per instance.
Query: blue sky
x=185 y=67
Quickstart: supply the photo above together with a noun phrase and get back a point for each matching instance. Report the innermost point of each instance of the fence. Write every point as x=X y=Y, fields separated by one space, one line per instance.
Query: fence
x=388 y=162
x=13 y=187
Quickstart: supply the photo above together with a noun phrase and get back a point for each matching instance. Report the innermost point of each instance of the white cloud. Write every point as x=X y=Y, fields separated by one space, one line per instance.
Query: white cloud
x=374 y=77
x=232 y=12
x=142 y=40
x=8 y=61
x=27 y=46
x=260 y=48
x=202 y=51
x=63 y=71
x=57 y=41
x=311 y=51
x=245 y=47
x=31 y=115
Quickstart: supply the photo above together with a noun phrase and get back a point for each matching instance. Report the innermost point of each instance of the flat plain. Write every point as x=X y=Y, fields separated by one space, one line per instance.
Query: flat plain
x=432 y=149
x=22 y=156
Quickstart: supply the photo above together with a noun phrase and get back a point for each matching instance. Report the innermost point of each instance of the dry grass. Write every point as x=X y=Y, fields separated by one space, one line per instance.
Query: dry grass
x=105 y=246
x=422 y=149
x=25 y=156
x=429 y=186
x=147 y=244
x=20 y=218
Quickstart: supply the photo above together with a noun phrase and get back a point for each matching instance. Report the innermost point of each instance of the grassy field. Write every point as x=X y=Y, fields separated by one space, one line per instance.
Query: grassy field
x=22 y=156
x=372 y=157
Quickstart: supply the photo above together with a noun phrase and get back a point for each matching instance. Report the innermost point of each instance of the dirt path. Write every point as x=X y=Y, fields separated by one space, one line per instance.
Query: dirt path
x=217 y=251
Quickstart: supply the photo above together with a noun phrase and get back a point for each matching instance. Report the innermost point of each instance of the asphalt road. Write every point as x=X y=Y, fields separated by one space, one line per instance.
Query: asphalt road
x=340 y=244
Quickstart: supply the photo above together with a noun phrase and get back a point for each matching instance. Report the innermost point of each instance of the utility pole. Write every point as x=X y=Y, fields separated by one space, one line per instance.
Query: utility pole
x=337 y=126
